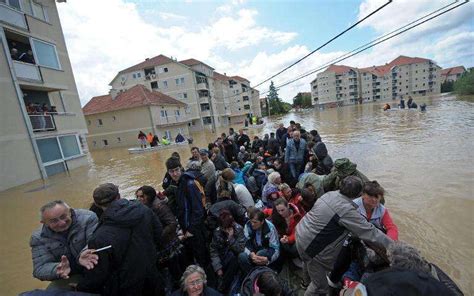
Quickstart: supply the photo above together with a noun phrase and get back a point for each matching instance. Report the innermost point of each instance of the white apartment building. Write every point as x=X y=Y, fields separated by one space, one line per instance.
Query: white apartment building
x=212 y=99
x=43 y=128
x=337 y=85
x=342 y=85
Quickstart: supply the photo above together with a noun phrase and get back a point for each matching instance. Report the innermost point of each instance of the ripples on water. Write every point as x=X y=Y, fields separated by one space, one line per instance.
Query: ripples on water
x=423 y=160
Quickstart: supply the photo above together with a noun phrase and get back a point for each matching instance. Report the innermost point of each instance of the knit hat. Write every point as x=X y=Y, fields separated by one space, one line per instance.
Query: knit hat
x=204 y=152
x=105 y=193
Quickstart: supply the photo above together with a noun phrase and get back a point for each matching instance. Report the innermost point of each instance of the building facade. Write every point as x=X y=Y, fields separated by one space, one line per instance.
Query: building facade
x=212 y=99
x=452 y=74
x=115 y=120
x=343 y=85
x=43 y=128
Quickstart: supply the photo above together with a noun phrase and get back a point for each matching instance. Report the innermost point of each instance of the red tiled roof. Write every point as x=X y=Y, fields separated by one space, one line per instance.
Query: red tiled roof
x=453 y=70
x=241 y=79
x=339 y=69
x=404 y=60
x=192 y=62
x=219 y=76
x=136 y=96
x=155 y=61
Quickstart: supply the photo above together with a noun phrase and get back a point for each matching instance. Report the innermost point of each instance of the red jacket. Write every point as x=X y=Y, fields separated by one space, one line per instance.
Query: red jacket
x=294 y=220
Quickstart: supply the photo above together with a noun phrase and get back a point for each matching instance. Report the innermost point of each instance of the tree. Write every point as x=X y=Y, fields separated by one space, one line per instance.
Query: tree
x=302 y=100
x=447 y=86
x=275 y=103
x=465 y=84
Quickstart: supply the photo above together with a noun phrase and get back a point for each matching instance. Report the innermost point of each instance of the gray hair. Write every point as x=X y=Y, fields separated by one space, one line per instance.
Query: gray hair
x=190 y=270
x=273 y=176
x=51 y=205
x=283 y=186
x=405 y=256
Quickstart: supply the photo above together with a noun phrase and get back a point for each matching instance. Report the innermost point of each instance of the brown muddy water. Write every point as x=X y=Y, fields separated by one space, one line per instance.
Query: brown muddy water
x=423 y=160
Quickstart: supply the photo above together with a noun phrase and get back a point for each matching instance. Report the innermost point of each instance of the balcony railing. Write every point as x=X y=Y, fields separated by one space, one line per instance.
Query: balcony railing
x=12 y=16
x=42 y=123
x=202 y=86
x=27 y=71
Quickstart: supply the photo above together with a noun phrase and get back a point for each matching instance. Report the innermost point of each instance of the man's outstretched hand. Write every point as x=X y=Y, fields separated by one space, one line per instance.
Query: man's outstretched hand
x=63 y=269
x=88 y=259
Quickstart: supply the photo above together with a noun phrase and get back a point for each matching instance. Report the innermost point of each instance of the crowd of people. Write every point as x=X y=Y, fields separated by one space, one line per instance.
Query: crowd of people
x=228 y=220
x=410 y=104
x=153 y=140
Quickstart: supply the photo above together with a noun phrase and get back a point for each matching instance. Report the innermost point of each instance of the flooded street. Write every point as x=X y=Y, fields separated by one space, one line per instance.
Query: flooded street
x=423 y=160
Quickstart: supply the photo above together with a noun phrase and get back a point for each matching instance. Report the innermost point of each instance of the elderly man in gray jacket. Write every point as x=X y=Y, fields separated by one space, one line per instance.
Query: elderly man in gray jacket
x=56 y=245
x=323 y=230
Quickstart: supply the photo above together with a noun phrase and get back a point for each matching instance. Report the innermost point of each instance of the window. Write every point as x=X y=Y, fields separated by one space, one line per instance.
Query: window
x=53 y=152
x=12 y=3
x=39 y=11
x=106 y=143
x=99 y=122
x=46 y=54
x=180 y=96
x=165 y=84
x=94 y=143
x=176 y=112
x=69 y=146
x=154 y=85
x=119 y=140
x=88 y=122
x=207 y=120
x=168 y=134
x=205 y=107
x=49 y=149
x=139 y=74
x=247 y=107
x=134 y=76
x=185 y=95
x=164 y=113
x=114 y=118
x=179 y=81
x=165 y=69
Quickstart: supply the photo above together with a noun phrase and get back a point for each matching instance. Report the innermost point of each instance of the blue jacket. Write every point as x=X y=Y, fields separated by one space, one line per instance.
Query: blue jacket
x=239 y=177
x=189 y=202
x=293 y=155
x=269 y=240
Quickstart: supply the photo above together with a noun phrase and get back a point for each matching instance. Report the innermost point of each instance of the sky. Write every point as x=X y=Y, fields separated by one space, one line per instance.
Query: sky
x=255 y=39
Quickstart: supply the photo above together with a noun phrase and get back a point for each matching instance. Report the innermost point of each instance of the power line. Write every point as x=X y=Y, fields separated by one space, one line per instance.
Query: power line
x=370 y=46
x=387 y=34
x=327 y=42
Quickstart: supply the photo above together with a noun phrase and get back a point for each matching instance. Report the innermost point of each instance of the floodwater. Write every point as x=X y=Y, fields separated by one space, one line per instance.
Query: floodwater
x=423 y=160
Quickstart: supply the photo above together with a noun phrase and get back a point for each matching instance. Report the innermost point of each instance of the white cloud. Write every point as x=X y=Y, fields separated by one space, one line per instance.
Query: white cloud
x=171 y=16
x=100 y=44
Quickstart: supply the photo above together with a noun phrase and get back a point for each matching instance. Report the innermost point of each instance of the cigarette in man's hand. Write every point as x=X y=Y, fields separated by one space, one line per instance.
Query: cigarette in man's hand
x=102 y=249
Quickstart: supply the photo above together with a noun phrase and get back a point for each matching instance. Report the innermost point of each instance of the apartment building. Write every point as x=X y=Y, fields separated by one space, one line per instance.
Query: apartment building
x=337 y=85
x=452 y=74
x=212 y=99
x=114 y=120
x=42 y=126
x=342 y=85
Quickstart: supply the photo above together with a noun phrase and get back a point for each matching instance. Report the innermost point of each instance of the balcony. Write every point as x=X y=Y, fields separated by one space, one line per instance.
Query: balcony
x=171 y=120
x=202 y=86
x=12 y=17
x=27 y=71
x=42 y=123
